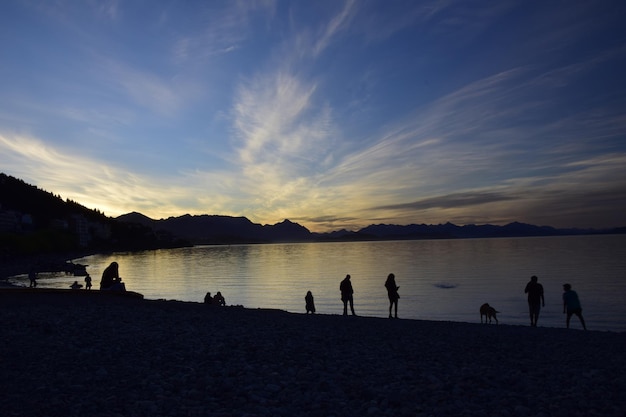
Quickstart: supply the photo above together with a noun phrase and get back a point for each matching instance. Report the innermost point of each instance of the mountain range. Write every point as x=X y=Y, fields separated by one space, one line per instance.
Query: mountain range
x=205 y=229
x=35 y=221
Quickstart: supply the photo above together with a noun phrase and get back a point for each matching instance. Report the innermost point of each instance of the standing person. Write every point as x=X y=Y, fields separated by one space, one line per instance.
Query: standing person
x=347 y=295
x=110 y=276
x=32 y=276
x=309 y=303
x=87 y=282
x=571 y=305
x=392 y=293
x=535 y=299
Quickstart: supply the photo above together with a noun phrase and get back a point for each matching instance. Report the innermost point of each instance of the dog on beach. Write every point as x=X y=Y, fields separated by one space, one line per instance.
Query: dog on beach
x=489 y=313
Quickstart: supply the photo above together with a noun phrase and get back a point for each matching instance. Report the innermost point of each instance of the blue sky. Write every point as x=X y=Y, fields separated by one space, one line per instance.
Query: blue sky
x=333 y=114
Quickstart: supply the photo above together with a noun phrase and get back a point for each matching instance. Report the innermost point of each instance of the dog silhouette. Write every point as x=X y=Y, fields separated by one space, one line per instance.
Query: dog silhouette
x=489 y=313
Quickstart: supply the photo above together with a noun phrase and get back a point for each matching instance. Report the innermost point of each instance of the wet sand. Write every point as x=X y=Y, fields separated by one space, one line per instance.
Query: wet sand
x=76 y=354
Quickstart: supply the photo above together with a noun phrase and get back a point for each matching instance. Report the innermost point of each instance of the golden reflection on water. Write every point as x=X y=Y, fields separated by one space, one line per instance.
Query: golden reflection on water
x=438 y=279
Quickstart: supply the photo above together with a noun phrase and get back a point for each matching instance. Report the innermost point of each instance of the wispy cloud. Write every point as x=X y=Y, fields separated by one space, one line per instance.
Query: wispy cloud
x=313 y=112
x=219 y=30
x=336 y=24
x=145 y=89
x=107 y=8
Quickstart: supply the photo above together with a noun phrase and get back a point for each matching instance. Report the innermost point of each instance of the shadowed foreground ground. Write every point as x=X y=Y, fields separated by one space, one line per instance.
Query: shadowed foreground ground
x=71 y=354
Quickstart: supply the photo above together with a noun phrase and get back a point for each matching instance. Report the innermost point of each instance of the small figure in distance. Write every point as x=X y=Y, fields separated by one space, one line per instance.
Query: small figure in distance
x=571 y=305
x=347 y=295
x=208 y=299
x=76 y=286
x=309 y=303
x=535 y=299
x=219 y=299
x=392 y=293
x=32 y=276
x=87 y=282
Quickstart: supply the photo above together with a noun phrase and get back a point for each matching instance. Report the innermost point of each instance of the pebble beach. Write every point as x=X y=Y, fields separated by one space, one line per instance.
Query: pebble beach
x=80 y=353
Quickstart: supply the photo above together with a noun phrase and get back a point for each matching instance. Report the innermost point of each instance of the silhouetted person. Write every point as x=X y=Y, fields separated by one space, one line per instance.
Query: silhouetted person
x=111 y=279
x=88 y=282
x=76 y=286
x=208 y=299
x=571 y=305
x=392 y=293
x=347 y=295
x=110 y=273
x=32 y=276
x=219 y=299
x=535 y=299
x=309 y=303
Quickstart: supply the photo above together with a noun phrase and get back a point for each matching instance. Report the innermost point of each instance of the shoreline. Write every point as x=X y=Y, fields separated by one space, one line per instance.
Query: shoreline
x=48 y=261
x=110 y=356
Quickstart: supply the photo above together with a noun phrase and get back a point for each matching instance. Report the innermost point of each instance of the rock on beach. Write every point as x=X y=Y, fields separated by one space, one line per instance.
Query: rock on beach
x=75 y=353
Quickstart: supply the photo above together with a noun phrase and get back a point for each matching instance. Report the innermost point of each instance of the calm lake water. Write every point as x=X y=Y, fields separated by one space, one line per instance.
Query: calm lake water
x=439 y=279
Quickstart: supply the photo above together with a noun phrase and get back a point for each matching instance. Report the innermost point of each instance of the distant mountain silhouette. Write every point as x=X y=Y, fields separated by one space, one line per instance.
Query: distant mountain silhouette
x=222 y=229
x=225 y=229
x=35 y=221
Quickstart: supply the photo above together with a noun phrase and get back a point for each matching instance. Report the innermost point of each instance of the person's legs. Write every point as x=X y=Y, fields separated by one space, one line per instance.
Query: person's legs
x=534 y=313
x=396 y=308
x=390 y=306
x=579 y=313
x=569 y=316
x=352 y=305
x=345 y=307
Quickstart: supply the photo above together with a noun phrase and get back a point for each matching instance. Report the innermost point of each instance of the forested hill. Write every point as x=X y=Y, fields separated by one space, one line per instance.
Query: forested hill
x=43 y=206
x=35 y=221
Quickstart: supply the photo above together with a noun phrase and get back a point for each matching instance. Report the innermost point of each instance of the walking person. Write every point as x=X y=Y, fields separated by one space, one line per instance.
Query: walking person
x=535 y=299
x=392 y=293
x=347 y=295
x=571 y=305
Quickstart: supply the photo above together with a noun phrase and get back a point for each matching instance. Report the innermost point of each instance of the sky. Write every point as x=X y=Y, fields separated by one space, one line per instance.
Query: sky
x=332 y=114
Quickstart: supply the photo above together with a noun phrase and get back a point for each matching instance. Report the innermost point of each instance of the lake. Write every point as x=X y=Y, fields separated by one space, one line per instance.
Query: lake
x=439 y=279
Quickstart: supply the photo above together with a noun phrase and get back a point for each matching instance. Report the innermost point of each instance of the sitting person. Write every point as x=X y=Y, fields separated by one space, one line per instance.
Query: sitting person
x=111 y=279
x=76 y=286
x=208 y=299
x=219 y=299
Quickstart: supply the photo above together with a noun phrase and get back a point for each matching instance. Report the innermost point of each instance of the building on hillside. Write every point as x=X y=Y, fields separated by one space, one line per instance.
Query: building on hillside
x=9 y=221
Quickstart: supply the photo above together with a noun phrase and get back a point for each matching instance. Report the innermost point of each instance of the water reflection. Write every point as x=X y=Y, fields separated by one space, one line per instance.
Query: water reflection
x=438 y=279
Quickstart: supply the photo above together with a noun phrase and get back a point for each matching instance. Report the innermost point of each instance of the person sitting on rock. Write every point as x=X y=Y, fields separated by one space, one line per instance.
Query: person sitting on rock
x=111 y=278
x=110 y=274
